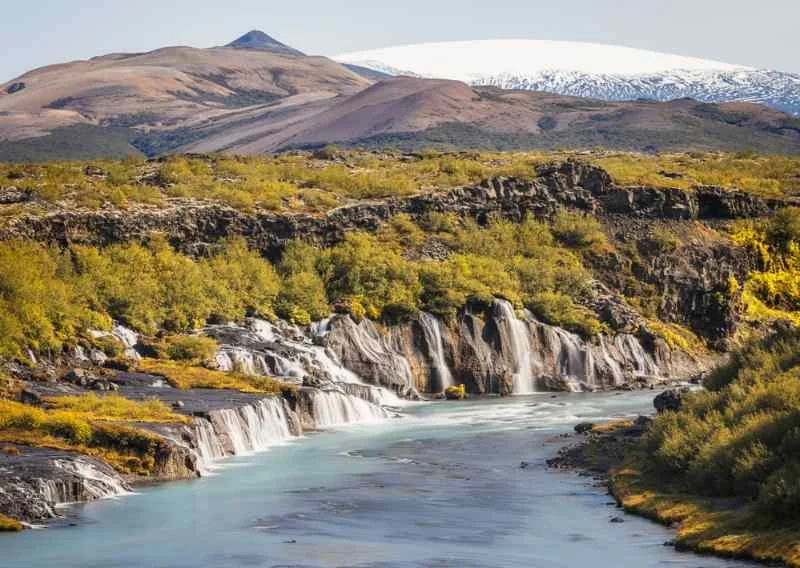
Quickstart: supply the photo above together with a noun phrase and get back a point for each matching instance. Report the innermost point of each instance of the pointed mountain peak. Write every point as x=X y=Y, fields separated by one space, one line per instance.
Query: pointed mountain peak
x=257 y=39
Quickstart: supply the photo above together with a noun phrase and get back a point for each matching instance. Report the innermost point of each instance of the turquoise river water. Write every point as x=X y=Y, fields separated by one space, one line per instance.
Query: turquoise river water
x=439 y=487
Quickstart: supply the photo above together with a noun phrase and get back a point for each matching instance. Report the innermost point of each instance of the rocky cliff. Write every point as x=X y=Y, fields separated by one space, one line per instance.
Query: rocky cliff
x=191 y=226
x=693 y=282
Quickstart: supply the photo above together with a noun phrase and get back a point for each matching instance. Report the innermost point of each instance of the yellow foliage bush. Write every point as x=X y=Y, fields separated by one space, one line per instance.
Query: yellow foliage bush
x=116 y=407
x=183 y=376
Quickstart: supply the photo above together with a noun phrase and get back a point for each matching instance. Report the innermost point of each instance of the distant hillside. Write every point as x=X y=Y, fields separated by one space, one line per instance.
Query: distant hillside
x=410 y=113
x=262 y=96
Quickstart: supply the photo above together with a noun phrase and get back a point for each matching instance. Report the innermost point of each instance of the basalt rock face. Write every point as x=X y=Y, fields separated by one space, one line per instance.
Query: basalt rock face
x=697 y=289
x=193 y=226
x=497 y=350
x=34 y=481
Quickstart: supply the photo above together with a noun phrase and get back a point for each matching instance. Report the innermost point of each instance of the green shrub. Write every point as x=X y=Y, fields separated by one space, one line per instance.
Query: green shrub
x=195 y=348
x=558 y=309
x=578 y=230
x=742 y=436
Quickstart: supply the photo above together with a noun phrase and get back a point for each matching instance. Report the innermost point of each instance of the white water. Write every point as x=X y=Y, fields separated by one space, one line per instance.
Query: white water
x=266 y=423
x=290 y=353
x=431 y=328
x=246 y=429
x=124 y=335
x=333 y=408
x=95 y=483
x=520 y=345
x=538 y=350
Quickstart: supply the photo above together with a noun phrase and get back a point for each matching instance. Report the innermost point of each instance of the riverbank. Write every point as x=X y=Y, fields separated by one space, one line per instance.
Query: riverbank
x=724 y=527
x=441 y=486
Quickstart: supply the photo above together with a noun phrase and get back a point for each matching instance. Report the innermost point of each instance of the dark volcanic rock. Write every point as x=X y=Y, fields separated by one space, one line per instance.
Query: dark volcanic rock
x=15 y=87
x=670 y=399
x=256 y=39
x=192 y=226
x=11 y=195
x=34 y=480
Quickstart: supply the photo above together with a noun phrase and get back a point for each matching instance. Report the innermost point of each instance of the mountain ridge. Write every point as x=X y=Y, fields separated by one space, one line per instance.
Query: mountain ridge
x=250 y=100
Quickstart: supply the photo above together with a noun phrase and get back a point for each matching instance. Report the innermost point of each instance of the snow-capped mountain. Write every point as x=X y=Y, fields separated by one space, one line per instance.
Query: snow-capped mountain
x=585 y=69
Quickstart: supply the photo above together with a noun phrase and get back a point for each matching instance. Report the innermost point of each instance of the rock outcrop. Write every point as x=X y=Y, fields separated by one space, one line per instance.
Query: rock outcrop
x=34 y=481
x=193 y=226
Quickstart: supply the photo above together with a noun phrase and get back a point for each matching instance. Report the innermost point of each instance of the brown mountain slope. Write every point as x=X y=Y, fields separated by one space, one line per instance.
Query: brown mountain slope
x=167 y=89
x=417 y=112
x=249 y=101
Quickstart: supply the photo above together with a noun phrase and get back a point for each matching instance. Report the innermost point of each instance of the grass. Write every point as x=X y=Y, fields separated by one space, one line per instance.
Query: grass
x=183 y=376
x=712 y=526
x=764 y=175
x=114 y=407
x=319 y=182
x=86 y=429
x=726 y=527
x=129 y=451
x=84 y=424
x=613 y=426
x=678 y=337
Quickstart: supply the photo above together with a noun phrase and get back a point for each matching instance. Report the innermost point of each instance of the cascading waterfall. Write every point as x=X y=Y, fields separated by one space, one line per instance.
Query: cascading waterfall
x=94 y=483
x=431 y=328
x=520 y=346
x=632 y=350
x=334 y=408
x=614 y=368
x=535 y=355
x=250 y=428
x=540 y=351
x=291 y=353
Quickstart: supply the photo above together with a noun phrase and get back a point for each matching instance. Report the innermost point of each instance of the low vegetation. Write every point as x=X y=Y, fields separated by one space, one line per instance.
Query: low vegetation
x=51 y=297
x=772 y=291
x=8 y=524
x=83 y=424
x=331 y=177
x=183 y=376
x=764 y=175
x=113 y=407
x=726 y=465
x=706 y=525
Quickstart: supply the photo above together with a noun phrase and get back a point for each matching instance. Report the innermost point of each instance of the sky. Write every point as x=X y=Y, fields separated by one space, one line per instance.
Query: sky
x=42 y=32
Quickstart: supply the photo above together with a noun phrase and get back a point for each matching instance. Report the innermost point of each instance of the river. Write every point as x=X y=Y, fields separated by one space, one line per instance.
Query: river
x=439 y=487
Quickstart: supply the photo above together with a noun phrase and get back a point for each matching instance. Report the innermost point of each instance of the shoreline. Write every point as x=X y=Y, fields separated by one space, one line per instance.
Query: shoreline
x=717 y=527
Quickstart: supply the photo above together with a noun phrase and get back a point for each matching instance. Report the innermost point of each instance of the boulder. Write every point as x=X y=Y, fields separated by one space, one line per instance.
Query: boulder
x=11 y=195
x=670 y=399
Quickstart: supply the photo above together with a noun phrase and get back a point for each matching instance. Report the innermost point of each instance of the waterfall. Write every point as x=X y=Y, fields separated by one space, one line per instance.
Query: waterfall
x=614 y=368
x=632 y=350
x=124 y=335
x=289 y=353
x=572 y=358
x=250 y=428
x=520 y=346
x=95 y=483
x=334 y=408
x=209 y=446
x=431 y=328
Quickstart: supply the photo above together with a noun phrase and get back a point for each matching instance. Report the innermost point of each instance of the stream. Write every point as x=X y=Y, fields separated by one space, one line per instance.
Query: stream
x=441 y=486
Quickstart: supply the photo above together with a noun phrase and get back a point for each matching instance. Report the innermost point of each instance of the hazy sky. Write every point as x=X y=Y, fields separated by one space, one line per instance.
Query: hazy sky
x=760 y=33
